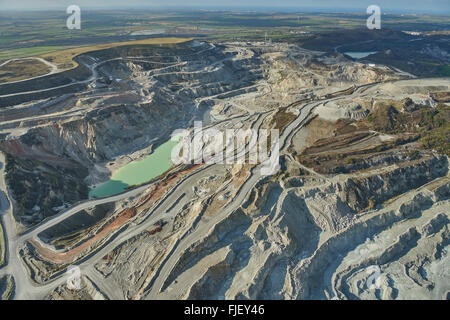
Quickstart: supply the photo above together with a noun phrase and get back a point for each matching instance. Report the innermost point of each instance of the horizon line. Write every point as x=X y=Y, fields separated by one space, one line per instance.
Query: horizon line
x=261 y=9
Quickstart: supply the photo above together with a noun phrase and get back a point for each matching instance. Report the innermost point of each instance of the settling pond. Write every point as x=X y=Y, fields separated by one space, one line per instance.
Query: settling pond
x=360 y=55
x=136 y=172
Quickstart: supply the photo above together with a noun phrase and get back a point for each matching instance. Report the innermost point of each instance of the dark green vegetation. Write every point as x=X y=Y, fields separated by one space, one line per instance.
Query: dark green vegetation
x=431 y=124
x=360 y=39
x=444 y=71
x=39 y=187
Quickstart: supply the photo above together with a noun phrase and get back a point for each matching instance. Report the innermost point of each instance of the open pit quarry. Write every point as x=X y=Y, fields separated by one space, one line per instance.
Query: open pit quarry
x=359 y=208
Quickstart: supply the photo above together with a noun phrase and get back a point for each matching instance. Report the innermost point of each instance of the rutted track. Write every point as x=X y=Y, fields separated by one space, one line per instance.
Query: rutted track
x=178 y=197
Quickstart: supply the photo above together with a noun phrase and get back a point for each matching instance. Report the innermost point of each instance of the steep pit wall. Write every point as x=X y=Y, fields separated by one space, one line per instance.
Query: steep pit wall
x=117 y=127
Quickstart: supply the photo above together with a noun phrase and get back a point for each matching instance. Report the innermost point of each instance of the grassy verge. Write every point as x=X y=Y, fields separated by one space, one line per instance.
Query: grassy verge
x=23 y=69
x=282 y=118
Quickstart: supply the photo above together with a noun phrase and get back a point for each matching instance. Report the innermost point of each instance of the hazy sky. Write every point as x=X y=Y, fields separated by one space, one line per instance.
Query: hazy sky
x=432 y=6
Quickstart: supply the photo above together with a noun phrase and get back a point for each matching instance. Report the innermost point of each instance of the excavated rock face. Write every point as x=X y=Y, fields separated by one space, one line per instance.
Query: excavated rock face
x=305 y=242
x=86 y=290
x=353 y=212
x=139 y=102
x=139 y=96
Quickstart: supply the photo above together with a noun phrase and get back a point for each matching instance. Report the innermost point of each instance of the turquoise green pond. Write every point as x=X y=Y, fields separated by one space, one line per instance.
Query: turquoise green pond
x=360 y=55
x=136 y=172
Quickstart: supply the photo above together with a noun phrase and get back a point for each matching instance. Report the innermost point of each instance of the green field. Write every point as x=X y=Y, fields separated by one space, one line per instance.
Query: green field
x=27 y=52
x=19 y=36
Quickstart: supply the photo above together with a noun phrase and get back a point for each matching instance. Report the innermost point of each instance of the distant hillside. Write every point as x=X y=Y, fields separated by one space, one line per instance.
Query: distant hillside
x=327 y=41
x=426 y=55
